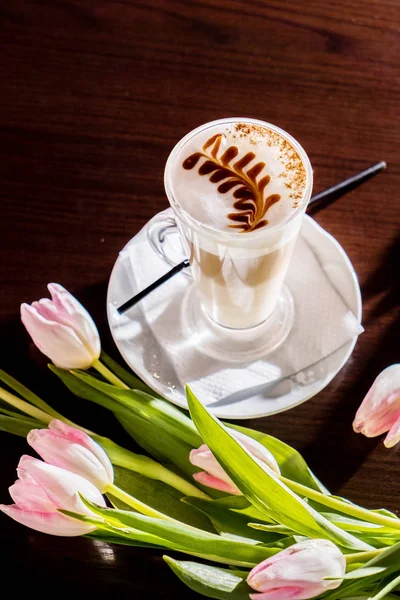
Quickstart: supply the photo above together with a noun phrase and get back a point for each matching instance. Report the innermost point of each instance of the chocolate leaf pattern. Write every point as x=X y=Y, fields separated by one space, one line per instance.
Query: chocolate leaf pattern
x=249 y=202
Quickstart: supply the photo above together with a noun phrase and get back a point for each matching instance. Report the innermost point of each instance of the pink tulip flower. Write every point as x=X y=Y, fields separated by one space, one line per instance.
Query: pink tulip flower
x=393 y=437
x=298 y=572
x=213 y=474
x=380 y=410
x=62 y=329
x=71 y=449
x=41 y=490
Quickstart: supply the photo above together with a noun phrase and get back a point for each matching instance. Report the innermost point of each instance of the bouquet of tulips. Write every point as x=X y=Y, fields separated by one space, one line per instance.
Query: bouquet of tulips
x=245 y=507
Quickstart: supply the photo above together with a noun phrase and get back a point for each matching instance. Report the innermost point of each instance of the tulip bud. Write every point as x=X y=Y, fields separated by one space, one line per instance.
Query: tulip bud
x=62 y=329
x=299 y=572
x=213 y=474
x=71 y=449
x=380 y=410
x=41 y=490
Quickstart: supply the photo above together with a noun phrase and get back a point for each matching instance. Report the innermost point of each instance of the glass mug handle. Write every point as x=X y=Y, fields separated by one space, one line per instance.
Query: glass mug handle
x=158 y=231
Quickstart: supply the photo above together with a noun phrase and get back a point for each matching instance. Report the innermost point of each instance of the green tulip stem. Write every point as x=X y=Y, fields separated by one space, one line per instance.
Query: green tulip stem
x=144 y=509
x=360 y=557
x=109 y=375
x=344 y=507
x=148 y=467
x=25 y=407
x=180 y=484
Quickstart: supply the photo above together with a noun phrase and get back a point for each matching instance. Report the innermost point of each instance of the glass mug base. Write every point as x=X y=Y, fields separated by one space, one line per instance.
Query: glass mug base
x=236 y=345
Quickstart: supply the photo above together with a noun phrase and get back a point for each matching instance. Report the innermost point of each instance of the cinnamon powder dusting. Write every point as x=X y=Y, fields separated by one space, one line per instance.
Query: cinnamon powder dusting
x=293 y=172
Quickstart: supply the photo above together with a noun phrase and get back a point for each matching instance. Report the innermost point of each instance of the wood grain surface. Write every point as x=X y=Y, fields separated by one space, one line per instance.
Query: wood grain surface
x=93 y=96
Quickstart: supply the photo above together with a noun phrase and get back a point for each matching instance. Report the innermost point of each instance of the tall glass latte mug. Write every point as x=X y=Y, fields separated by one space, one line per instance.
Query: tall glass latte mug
x=238 y=274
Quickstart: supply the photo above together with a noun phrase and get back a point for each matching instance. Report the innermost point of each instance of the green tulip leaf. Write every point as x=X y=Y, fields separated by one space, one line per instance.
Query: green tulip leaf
x=159 y=496
x=18 y=426
x=386 y=589
x=159 y=443
x=126 y=376
x=164 y=447
x=111 y=538
x=264 y=489
x=179 y=536
x=242 y=506
x=352 y=524
x=389 y=558
x=82 y=389
x=120 y=535
x=359 y=573
x=272 y=528
x=209 y=581
x=228 y=522
x=155 y=410
x=386 y=513
x=291 y=463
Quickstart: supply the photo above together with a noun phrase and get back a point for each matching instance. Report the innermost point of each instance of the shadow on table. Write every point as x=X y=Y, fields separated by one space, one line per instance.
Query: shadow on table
x=338 y=463
x=384 y=282
x=341 y=463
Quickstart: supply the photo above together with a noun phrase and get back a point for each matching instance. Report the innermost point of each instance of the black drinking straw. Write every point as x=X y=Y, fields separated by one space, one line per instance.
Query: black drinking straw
x=344 y=187
x=129 y=303
x=329 y=195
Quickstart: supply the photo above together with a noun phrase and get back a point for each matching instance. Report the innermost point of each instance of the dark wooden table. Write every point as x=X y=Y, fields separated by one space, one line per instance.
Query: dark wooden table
x=93 y=96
